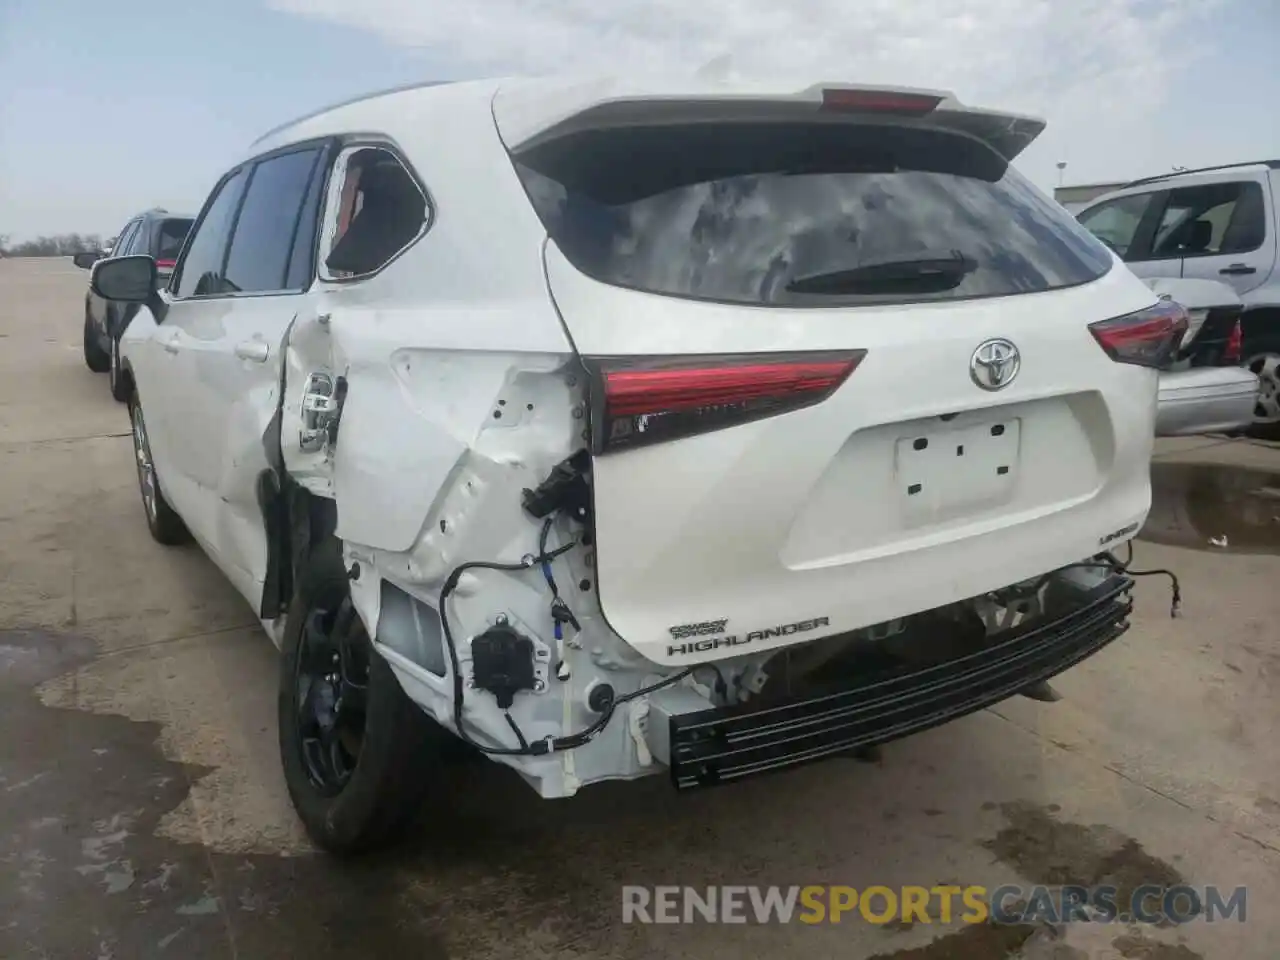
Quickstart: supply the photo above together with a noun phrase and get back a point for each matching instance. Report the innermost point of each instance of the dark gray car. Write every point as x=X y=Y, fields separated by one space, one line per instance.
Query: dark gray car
x=157 y=233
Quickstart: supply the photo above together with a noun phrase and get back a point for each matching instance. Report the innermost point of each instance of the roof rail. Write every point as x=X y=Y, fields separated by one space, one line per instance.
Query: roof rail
x=346 y=103
x=1273 y=164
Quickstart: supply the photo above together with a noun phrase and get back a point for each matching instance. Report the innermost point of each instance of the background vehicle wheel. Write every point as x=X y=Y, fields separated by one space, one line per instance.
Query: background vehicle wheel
x=120 y=389
x=95 y=358
x=1263 y=358
x=356 y=751
x=165 y=525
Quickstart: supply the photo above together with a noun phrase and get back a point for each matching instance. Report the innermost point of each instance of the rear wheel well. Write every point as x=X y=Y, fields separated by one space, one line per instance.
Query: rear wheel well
x=300 y=528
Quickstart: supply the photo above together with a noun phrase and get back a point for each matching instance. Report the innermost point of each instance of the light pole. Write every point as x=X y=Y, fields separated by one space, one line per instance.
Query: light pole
x=1062 y=166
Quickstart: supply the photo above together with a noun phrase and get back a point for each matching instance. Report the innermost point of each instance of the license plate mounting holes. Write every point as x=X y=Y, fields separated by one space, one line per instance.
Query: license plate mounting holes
x=955 y=470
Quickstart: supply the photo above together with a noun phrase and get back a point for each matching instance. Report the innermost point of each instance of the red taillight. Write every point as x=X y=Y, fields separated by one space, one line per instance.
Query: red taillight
x=879 y=101
x=648 y=400
x=1147 y=338
x=165 y=264
x=1232 y=352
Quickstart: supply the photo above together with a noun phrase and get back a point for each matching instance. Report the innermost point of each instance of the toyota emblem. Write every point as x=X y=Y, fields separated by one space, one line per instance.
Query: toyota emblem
x=994 y=364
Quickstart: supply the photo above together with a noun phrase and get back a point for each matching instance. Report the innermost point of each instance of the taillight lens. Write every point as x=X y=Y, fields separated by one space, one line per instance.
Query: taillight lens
x=1232 y=352
x=638 y=401
x=1147 y=338
x=165 y=264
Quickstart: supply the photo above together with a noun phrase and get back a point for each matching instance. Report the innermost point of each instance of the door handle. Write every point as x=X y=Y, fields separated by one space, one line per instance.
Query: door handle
x=170 y=343
x=255 y=350
x=1236 y=269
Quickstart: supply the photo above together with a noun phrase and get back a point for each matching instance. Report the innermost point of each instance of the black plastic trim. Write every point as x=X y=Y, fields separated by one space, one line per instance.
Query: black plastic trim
x=729 y=743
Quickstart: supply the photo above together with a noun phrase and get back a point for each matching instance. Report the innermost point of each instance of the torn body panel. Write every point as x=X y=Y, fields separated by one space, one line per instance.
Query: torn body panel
x=436 y=445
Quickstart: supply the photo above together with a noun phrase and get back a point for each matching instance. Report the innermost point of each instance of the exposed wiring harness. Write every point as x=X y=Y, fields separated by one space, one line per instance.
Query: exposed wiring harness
x=1106 y=561
x=548 y=745
x=1124 y=567
x=560 y=612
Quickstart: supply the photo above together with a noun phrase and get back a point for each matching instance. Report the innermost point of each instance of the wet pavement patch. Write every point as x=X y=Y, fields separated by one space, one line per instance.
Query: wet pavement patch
x=82 y=873
x=1052 y=852
x=981 y=941
x=1134 y=946
x=1214 y=507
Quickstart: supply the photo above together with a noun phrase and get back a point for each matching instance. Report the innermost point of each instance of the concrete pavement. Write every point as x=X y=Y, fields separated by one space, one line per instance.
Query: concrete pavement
x=142 y=812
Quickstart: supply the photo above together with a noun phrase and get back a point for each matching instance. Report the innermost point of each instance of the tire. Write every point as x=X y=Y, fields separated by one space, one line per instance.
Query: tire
x=1262 y=356
x=164 y=523
x=120 y=387
x=95 y=358
x=379 y=783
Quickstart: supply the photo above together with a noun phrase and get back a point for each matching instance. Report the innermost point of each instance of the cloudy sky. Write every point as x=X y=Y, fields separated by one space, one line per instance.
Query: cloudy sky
x=110 y=107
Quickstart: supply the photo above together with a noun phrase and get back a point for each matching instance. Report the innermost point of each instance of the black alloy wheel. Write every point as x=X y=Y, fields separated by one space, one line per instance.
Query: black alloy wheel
x=332 y=682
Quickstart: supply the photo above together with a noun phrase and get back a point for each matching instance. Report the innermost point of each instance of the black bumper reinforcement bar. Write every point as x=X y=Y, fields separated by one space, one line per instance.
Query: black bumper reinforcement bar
x=728 y=743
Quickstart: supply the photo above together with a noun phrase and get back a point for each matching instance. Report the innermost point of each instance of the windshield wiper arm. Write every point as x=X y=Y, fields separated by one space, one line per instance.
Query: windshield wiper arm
x=928 y=272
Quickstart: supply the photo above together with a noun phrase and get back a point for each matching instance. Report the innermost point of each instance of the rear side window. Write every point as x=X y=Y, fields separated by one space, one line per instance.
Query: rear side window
x=200 y=272
x=169 y=237
x=1212 y=219
x=375 y=210
x=259 y=255
x=803 y=214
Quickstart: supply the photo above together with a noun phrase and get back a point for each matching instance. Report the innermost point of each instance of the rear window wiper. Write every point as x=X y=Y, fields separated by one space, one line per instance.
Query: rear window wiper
x=915 y=273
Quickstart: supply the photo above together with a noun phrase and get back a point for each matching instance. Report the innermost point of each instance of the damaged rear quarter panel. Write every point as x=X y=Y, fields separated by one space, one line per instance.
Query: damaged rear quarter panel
x=425 y=389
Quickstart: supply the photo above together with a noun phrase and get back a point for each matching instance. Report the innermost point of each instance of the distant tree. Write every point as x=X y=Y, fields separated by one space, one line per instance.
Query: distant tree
x=59 y=245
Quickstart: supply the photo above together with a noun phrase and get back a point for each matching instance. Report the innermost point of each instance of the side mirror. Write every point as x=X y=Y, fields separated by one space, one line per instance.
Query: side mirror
x=86 y=260
x=124 y=279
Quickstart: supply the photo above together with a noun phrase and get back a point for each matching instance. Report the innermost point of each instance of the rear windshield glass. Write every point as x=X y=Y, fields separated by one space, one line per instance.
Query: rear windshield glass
x=169 y=240
x=803 y=214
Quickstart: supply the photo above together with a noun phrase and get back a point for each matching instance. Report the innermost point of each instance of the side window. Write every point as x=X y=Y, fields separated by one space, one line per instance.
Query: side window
x=1211 y=219
x=141 y=242
x=375 y=209
x=124 y=242
x=168 y=239
x=1116 y=222
x=302 y=257
x=260 y=248
x=199 y=273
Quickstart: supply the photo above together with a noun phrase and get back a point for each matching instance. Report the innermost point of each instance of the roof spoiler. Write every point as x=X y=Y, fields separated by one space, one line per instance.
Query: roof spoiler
x=533 y=114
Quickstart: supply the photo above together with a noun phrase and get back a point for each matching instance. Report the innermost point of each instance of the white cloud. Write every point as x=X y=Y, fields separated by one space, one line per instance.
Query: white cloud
x=1096 y=69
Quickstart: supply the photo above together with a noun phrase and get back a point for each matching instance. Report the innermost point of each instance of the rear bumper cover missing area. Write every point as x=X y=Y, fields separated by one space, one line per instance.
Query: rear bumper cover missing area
x=728 y=743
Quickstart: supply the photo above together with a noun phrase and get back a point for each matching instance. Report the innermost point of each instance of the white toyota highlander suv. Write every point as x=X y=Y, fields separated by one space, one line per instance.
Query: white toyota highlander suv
x=625 y=427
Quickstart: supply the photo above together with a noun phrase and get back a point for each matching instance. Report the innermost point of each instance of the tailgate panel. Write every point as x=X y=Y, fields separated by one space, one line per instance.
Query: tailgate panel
x=985 y=468
x=807 y=517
